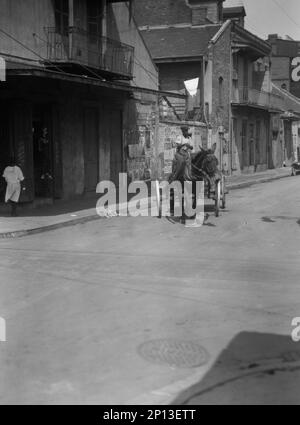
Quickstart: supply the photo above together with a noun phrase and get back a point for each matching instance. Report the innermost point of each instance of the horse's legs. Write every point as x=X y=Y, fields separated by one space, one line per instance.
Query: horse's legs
x=172 y=202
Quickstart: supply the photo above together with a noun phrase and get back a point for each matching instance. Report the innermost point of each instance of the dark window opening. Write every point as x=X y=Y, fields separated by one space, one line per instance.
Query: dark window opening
x=94 y=18
x=258 y=132
x=61 y=16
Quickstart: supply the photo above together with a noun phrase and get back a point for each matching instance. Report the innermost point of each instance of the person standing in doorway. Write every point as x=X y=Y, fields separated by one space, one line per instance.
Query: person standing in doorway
x=13 y=176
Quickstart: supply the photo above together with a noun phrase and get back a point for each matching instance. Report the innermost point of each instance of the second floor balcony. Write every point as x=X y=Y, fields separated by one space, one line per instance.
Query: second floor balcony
x=257 y=98
x=77 y=47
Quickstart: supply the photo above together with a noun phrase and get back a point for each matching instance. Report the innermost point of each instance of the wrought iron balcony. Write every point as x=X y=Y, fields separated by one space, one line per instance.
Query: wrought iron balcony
x=257 y=98
x=78 y=47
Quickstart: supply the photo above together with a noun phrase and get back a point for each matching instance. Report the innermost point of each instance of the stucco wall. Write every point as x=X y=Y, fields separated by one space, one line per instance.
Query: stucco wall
x=120 y=27
x=22 y=19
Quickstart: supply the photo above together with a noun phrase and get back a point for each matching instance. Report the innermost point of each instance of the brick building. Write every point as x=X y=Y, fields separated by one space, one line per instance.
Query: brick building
x=199 y=40
x=286 y=63
x=286 y=81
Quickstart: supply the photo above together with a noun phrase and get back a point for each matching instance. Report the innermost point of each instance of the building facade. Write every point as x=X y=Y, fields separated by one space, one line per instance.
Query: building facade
x=78 y=89
x=286 y=63
x=286 y=81
x=197 y=40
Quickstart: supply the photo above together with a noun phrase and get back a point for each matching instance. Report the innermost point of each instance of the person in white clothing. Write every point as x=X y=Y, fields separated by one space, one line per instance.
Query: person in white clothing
x=13 y=176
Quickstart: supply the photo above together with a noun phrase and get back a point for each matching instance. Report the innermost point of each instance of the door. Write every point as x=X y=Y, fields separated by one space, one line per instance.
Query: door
x=5 y=147
x=91 y=151
x=42 y=151
x=244 y=143
x=257 y=143
x=57 y=153
x=235 y=161
x=21 y=125
x=116 y=151
x=288 y=136
x=251 y=144
x=251 y=152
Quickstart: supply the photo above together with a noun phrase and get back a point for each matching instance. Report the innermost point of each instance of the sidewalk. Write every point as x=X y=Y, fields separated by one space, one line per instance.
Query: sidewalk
x=68 y=213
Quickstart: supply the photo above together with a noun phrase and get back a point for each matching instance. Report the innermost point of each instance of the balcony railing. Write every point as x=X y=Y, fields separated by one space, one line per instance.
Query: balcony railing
x=259 y=98
x=77 y=46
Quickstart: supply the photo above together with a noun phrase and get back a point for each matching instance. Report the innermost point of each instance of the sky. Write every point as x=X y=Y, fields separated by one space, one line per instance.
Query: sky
x=265 y=17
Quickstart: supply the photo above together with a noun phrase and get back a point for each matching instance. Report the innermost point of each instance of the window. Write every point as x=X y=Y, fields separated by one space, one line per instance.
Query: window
x=61 y=16
x=94 y=18
x=244 y=142
x=258 y=131
x=221 y=91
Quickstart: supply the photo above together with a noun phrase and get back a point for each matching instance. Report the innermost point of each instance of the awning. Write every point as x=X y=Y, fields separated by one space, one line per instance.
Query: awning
x=30 y=71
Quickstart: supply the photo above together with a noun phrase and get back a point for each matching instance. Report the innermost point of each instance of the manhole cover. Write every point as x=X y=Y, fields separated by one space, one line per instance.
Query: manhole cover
x=174 y=353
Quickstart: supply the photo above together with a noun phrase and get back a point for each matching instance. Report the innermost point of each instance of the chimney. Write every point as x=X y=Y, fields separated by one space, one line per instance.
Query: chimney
x=206 y=11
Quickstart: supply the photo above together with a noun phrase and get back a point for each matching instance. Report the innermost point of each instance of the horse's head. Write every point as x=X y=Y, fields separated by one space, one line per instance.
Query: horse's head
x=210 y=164
x=206 y=160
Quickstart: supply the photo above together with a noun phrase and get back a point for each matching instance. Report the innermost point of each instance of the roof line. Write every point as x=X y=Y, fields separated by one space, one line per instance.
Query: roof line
x=255 y=37
x=286 y=93
x=220 y=32
x=170 y=59
x=165 y=27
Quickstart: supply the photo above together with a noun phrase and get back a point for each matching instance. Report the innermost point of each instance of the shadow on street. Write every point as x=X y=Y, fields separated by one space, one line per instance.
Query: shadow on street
x=254 y=368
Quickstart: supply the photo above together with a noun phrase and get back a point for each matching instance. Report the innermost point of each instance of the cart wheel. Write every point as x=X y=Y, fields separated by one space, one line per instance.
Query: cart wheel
x=223 y=203
x=217 y=198
x=223 y=194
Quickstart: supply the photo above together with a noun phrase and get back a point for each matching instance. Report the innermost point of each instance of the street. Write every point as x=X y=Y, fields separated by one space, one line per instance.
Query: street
x=137 y=310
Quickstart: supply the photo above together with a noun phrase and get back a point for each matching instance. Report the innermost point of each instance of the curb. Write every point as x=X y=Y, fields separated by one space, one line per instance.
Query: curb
x=34 y=231
x=82 y=220
x=242 y=185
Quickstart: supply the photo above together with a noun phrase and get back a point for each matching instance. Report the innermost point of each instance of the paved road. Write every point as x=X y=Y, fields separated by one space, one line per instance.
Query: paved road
x=139 y=310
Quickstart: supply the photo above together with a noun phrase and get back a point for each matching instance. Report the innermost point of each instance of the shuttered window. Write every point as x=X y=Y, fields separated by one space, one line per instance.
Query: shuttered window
x=62 y=16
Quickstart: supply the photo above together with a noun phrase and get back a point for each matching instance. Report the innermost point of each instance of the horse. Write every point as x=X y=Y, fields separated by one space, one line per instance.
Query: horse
x=198 y=166
x=204 y=166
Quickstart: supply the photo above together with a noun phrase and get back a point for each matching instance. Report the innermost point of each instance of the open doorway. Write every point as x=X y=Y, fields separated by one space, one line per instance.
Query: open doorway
x=5 y=148
x=42 y=152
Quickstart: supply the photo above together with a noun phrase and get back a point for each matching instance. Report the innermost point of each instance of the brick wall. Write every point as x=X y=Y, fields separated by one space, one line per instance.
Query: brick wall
x=147 y=12
x=206 y=11
x=280 y=68
x=220 y=108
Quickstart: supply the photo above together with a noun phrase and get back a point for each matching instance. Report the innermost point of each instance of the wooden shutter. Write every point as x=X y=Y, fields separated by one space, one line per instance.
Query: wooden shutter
x=23 y=146
x=57 y=153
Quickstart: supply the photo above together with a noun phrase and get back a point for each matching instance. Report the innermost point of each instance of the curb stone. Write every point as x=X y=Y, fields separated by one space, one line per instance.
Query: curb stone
x=34 y=231
x=242 y=185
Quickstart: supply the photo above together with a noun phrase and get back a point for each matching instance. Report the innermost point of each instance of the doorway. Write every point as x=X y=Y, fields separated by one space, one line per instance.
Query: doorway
x=244 y=143
x=5 y=147
x=42 y=152
x=91 y=151
x=116 y=152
